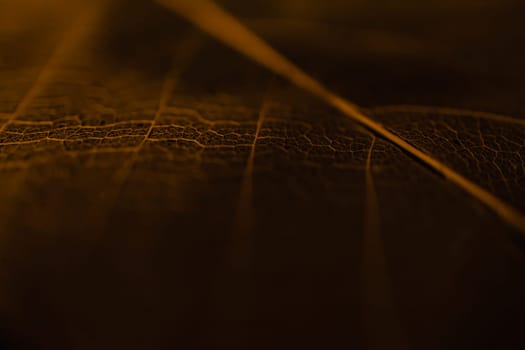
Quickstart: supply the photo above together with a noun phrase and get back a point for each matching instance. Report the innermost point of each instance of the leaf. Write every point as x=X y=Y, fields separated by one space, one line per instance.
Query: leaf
x=218 y=23
x=198 y=201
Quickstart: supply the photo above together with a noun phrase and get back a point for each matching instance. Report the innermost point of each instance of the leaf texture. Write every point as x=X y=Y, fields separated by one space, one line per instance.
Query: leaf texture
x=160 y=190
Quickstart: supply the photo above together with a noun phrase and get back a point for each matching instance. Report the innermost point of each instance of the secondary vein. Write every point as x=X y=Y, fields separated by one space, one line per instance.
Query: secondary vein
x=383 y=326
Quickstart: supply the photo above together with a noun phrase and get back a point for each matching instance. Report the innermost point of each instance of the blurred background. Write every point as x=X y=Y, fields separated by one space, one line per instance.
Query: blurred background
x=454 y=53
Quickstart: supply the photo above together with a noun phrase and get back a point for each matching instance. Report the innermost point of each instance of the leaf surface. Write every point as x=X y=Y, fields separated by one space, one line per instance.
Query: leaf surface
x=159 y=188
